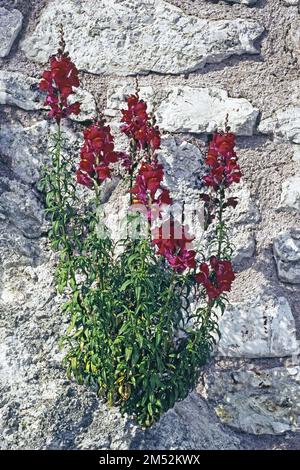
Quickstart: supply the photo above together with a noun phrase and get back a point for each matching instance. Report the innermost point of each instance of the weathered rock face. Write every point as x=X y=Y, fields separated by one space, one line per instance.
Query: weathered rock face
x=163 y=38
x=259 y=401
x=260 y=327
x=187 y=109
x=290 y=194
x=190 y=110
x=39 y=407
x=284 y=125
x=293 y=39
x=19 y=90
x=10 y=26
x=287 y=256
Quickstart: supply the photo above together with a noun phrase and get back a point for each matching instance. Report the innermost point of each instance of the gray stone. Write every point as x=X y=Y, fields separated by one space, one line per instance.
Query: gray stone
x=21 y=208
x=27 y=148
x=291 y=2
x=196 y=110
x=101 y=38
x=259 y=327
x=286 y=248
x=293 y=38
x=10 y=26
x=243 y=245
x=284 y=126
x=189 y=109
x=290 y=194
x=247 y=210
x=255 y=400
x=19 y=90
x=243 y=2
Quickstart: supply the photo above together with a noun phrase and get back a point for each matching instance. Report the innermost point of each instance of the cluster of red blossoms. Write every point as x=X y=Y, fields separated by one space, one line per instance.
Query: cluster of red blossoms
x=148 y=189
x=96 y=155
x=58 y=82
x=222 y=161
x=216 y=278
x=137 y=124
x=172 y=239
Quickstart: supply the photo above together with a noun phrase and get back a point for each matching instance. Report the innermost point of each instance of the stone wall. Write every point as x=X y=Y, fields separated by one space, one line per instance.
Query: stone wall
x=197 y=60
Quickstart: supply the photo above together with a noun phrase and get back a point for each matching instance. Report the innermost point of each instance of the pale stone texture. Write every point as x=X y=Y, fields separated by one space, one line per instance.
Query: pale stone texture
x=19 y=90
x=291 y=2
x=243 y=245
x=284 y=125
x=286 y=248
x=255 y=400
x=188 y=109
x=293 y=39
x=27 y=148
x=259 y=327
x=243 y=2
x=247 y=210
x=10 y=26
x=133 y=36
x=290 y=195
x=196 y=110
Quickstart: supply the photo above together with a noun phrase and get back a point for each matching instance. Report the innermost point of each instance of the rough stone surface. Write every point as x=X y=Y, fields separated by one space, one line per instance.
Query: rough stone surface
x=163 y=38
x=290 y=194
x=293 y=39
x=10 y=26
x=244 y=245
x=255 y=400
x=260 y=327
x=191 y=110
x=287 y=256
x=187 y=109
x=26 y=149
x=284 y=125
x=20 y=90
x=39 y=408
x=244 y=2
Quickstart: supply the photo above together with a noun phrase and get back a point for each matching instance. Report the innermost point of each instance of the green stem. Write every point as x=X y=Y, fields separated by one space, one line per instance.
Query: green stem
x=220 y=222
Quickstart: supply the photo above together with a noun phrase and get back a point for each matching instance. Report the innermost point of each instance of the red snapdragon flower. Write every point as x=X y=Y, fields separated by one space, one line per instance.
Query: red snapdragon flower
x=217 y=278
x=148 y=188
x=222 y=160
x=137 y=124
x=171 y=242
x=96 y=155
x=59 y=82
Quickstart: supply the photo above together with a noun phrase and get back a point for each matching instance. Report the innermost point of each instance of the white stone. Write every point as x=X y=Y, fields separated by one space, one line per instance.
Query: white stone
x=291 y=2
x=244 y=245
x=290 y=194
x=247 y=210
x=256 y=400
x=188 y=109
x=260 y=327
x=286 y=248
x=10 y=26
x=126 y=37
x=284 y=124
x=243 y=2
x=197 y=110
x=27 y=148
x=293 y=38
x=17 y=89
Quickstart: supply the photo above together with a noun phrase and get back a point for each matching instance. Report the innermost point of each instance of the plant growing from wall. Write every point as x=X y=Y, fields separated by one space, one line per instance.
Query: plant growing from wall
x=133 y=332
